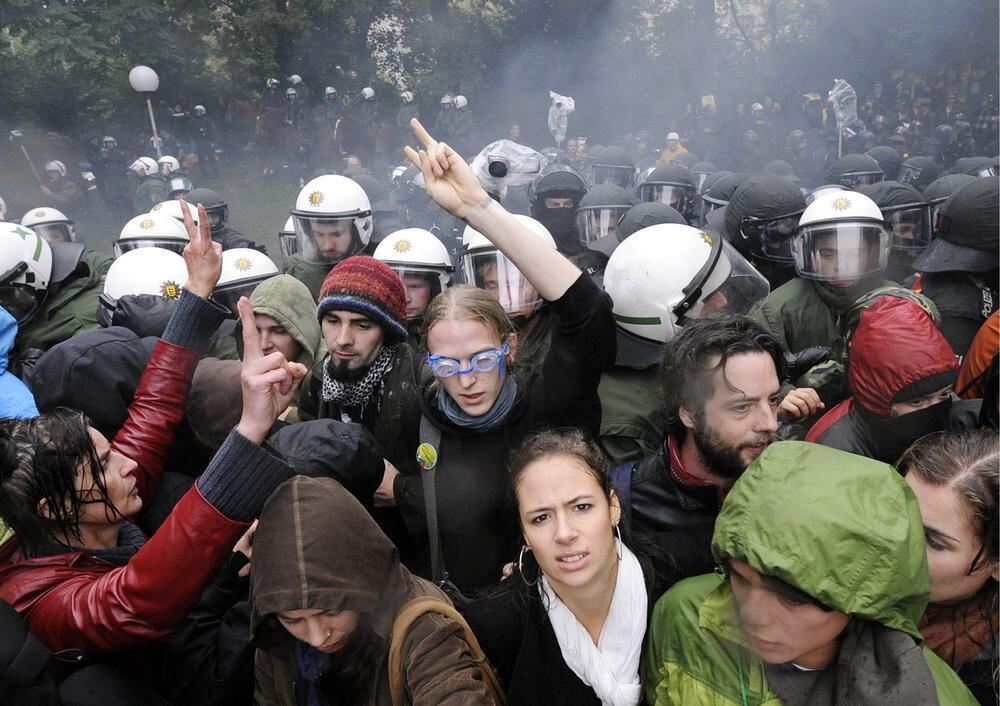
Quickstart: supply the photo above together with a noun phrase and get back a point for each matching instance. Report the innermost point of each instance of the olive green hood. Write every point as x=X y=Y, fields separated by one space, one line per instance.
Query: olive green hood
x=845 y=529
x=288 y=301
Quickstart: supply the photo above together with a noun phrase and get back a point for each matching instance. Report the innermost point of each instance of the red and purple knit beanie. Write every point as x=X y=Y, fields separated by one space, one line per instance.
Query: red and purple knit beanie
x=369 y=287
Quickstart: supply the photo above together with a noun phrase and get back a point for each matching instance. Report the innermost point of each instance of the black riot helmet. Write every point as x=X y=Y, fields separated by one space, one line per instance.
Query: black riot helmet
x=215 y=207
x=599 y=213
x=614 y=166
x=672 y=185
x=906 y=212
x=557 y=181
x=853 y=170
x=889 y=160
x=762 y=216
x=919 y=171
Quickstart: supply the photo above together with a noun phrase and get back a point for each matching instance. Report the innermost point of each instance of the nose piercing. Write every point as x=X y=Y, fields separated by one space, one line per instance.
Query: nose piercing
x=329 y=634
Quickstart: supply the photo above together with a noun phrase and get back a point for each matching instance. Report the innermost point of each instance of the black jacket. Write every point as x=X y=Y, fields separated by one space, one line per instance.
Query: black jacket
x=678 y=519
x=522 y=647
x=478 y=527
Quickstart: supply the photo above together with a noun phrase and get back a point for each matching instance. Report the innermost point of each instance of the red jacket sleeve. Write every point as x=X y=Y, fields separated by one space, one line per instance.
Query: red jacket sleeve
x=147 y=598
x=156 y=410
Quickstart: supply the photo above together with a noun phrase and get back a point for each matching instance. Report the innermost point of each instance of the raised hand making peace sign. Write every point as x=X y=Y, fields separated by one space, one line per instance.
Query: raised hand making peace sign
x=268 y=381
x=202 y=255
x=450 y=181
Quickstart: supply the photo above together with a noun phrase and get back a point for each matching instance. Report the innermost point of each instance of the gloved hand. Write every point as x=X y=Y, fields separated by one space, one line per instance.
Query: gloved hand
x=796 y=364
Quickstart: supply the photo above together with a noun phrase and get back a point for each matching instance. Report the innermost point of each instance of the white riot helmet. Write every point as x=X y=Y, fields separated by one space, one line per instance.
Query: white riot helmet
x=152 y=230
x=488 y=268
x=108 y=142
x=368 y=93
x=151 y=271
x=461 y=102
x=447 y=100
x=841 y=238
x=667 y=274
x=295 y=79
x=406 y=96
x=291 y=92
x=174 y=209
x=272 y=83
x=25 y=270
x=50 y=223
x=242 y=270
x=417 y=253
x=145 y=166
x=199 y=110
x=333 y=219
x=168 y=165
x=56 y=166
x=330 y=91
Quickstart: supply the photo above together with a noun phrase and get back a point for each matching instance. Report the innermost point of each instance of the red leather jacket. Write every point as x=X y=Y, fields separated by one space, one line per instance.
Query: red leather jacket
x=74 y=600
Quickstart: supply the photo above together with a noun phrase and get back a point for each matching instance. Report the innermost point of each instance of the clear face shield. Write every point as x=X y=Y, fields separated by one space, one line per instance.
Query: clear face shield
x=420 y=285
x=229 y=295
x=840 y=253
x=706 y=207
x=179 y=186
x=593 y=224
x=771 y=239
x=20 y=302
x=677 y=197
x=616 y=174
x=173 y=245
x=727 y=284
x=855 y=180
x=699 y=180
x=910 y=226
x=56 y=232
x=326 y=240
x=492 y=271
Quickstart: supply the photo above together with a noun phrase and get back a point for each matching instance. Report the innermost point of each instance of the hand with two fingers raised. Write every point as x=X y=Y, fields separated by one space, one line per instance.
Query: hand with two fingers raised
x=268 y=381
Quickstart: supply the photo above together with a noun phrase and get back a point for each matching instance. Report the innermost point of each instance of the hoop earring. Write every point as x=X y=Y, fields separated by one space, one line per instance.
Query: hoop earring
x=618 y=543
x=520 y=566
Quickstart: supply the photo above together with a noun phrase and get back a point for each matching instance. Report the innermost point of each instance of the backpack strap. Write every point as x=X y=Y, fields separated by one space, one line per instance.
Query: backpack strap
x=427 y=458
x=409 y=614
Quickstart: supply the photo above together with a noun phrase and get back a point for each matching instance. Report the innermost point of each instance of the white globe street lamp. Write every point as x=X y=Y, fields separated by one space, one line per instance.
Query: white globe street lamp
x=144 y=80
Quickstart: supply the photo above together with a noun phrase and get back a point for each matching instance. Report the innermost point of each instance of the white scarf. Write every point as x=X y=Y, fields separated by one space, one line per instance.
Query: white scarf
x=610 y=668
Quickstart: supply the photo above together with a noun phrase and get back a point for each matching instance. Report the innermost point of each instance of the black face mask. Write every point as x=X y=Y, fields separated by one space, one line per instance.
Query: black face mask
x=894 y=435
x=559 y=221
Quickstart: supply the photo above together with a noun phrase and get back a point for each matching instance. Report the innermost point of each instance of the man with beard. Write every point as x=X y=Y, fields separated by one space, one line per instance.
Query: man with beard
x=721 y=380
x=368 y=374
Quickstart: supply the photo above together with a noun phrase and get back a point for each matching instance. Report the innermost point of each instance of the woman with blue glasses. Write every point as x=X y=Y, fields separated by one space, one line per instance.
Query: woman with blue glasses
x=475 y=407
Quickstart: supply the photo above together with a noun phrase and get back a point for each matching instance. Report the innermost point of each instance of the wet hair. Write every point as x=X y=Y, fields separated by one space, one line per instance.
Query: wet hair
x=39 y=460
x=467 y=303
x=968 y=463
x=685 y=374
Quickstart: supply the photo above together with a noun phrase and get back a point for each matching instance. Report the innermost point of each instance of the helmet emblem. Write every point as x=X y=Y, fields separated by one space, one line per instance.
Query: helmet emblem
x=243 y=264
x=39 y=214
x=402 y=246
x=146 y=224
x=841 y=203
x=316 y=198
x=707 y=238
x=156 y=207
x=170 y=289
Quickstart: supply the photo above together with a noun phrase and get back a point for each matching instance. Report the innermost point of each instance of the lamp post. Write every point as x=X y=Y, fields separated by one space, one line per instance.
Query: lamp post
x=144 y=80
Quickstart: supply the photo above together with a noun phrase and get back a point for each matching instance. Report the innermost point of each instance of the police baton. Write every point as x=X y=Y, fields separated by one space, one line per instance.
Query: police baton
x=18 y=135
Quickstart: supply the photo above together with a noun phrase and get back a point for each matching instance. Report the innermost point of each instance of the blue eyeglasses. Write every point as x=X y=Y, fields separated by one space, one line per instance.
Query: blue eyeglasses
x=481 y=362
